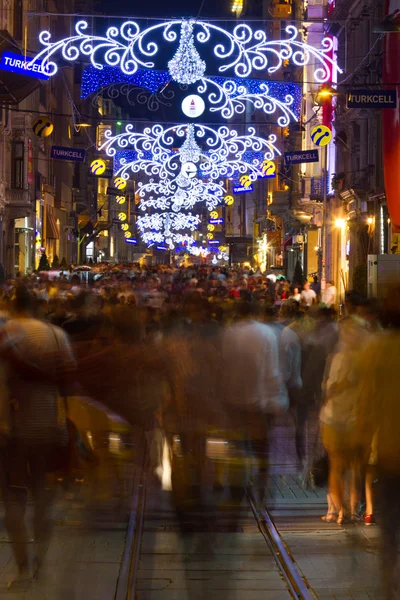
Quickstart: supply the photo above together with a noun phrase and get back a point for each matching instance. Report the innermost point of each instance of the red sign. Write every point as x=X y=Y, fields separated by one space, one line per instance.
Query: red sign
x=30 y=163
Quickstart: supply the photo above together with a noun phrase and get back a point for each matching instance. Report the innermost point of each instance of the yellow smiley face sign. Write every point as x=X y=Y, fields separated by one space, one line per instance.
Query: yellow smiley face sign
x=268 y=168
x=229 y=200
x=98 y=166
x=321 y=135
x=119 y=183
x=210 y=236
x=211 y=227
x=42 y=127
x=214 y=214
x=122 y=216
x=245 y=181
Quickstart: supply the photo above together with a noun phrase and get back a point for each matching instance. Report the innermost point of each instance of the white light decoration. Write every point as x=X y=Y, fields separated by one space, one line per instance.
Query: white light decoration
x=230 y=97
x=196 y=251
x=242 y=50
x=222 y=154
x=168 y=222
x=172 y=187
x=186 y=66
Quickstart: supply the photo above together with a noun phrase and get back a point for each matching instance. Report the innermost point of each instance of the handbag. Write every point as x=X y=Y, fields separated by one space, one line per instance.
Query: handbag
x=74 y=457
x=319 y=470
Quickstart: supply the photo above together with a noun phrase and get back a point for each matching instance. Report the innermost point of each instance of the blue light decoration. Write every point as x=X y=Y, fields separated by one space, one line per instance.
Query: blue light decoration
x=228 y=96
x=95 y=79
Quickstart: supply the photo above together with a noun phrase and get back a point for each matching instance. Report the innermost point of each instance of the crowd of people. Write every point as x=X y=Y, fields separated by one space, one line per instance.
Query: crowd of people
x=198 y=350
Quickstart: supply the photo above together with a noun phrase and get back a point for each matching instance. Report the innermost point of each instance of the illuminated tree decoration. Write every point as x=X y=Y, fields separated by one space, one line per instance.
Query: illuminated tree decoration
x=186 y=66
x=242 y=50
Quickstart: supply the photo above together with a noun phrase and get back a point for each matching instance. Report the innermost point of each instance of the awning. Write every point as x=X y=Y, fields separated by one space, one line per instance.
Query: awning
x=14 y=87
x=51 y=227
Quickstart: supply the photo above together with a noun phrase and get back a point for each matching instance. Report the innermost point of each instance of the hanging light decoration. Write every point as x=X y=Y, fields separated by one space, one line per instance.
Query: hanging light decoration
x=186 y=66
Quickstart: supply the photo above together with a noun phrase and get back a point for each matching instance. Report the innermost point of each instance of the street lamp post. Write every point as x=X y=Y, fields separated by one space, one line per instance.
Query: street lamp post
x=324 y=218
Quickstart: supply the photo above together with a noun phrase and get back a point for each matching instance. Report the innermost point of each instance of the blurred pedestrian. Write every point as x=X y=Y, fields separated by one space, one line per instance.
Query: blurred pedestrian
x=379 y=413
x=39 y=362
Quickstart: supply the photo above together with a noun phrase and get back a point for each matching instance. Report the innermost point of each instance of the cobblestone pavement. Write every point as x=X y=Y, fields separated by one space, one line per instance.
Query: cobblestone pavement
x=83 y=562
x=338 y=562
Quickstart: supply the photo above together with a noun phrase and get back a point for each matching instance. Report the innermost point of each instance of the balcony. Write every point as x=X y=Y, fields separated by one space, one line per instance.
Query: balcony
x=18 y=203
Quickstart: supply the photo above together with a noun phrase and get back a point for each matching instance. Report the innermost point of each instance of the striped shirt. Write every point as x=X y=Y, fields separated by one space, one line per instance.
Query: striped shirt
x=37 y=416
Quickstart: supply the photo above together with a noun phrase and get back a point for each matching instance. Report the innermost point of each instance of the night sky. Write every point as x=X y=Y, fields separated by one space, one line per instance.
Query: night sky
x=169 y=8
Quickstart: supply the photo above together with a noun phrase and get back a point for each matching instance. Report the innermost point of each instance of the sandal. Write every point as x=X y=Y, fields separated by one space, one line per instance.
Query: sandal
x=341 y=520
x=330 y=517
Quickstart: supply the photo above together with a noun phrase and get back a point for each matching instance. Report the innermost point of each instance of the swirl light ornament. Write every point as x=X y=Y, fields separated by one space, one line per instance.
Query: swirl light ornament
x=241 y=51
x=172 y=190
x=230 y=97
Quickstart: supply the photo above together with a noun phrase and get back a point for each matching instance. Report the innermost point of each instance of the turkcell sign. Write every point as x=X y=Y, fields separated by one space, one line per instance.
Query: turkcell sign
x=301 y=156
x=240 y=189
x=372 y=99
x=74 y=154
x=17 y=63
x=216 y=221
x=130 y=241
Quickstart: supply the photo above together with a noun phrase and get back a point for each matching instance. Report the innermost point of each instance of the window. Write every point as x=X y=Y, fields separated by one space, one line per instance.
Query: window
x=18 y=165
x=18 y=20
x=42 y=94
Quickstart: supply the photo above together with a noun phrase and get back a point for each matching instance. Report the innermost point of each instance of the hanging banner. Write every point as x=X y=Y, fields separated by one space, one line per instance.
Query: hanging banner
x=74 y=154
x=371 y=99
x=241 y=189
x=30 y=163
x=301 y=156
x=24 y=65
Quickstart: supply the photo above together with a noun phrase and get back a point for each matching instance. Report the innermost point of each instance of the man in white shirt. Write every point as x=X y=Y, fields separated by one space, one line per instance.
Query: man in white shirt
x=253 y=385
x=308 y=296
x=329 y=295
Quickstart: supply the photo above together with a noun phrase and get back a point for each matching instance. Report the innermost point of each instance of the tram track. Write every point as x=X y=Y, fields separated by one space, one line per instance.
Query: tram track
x=296 y=584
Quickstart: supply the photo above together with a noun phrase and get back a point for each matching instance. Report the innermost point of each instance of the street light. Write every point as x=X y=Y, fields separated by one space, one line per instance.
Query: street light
x=340 y=223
